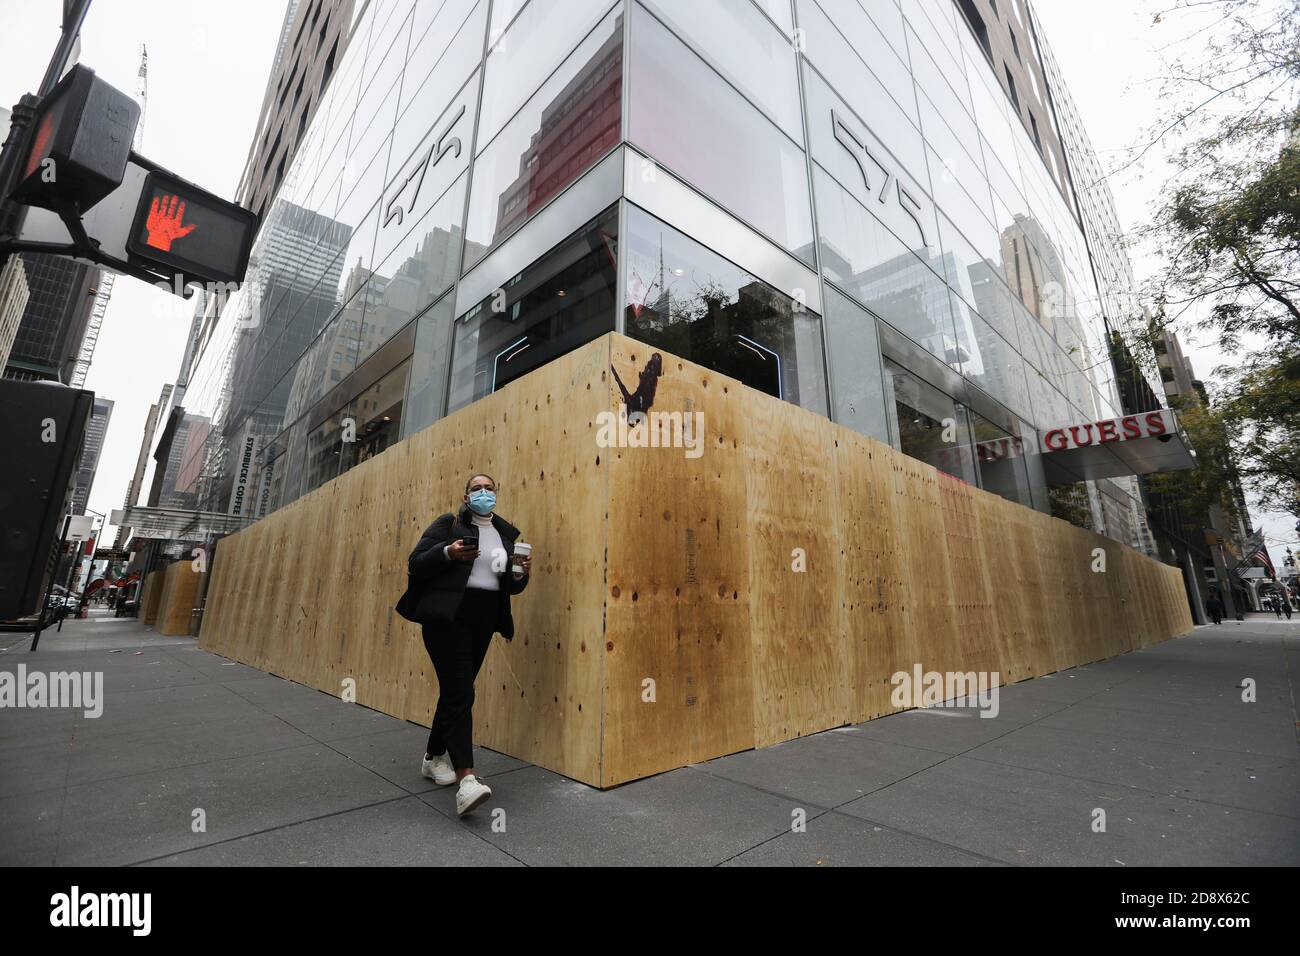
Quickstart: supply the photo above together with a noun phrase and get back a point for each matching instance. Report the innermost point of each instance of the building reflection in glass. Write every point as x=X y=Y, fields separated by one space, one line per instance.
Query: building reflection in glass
x=556 y=136
x=688 y=300
x=928 y=424
x=562 y=301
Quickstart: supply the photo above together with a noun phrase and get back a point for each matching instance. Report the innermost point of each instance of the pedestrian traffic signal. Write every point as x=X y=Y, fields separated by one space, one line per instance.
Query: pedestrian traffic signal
x=184 y=229
x=80 y=143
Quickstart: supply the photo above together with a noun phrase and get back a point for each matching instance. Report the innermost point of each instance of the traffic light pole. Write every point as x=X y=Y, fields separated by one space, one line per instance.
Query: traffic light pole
x=82 y=245
x=12 y=214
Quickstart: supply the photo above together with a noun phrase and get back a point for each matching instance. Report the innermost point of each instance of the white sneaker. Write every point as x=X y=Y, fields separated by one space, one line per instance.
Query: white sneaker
x=470 y=794
x=439 y=770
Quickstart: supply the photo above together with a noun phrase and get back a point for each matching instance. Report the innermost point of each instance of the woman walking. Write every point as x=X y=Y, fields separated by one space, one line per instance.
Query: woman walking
x=459 y=587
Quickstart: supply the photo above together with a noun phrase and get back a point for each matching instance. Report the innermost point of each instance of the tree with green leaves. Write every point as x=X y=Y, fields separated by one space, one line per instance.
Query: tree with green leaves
x=1227 y=232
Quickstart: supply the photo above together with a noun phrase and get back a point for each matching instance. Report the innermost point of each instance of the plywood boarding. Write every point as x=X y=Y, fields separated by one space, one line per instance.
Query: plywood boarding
x=176 y=600
x=678 y=675
x=683 y=606
x=150 y=596
x=905 y=566
x=307 y=593
x=872 y=580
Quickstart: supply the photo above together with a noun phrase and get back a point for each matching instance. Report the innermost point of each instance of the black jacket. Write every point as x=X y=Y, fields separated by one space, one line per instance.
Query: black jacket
x=435 y=582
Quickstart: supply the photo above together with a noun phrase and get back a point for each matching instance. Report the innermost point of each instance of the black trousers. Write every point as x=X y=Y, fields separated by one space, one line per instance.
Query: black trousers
x=457 y=649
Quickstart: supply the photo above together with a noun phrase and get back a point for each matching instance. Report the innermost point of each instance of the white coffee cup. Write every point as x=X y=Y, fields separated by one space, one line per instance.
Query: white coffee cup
x=522 y=550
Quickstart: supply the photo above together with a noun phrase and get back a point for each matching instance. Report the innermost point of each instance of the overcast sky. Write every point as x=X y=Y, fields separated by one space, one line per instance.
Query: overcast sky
x=1111 y=53
x=208 y=65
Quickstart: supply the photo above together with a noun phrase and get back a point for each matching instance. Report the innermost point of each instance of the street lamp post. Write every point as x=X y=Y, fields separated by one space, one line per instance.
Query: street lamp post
x=76 y=565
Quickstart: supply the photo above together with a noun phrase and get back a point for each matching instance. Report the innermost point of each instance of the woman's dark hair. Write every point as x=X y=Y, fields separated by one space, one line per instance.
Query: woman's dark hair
x=479 y=474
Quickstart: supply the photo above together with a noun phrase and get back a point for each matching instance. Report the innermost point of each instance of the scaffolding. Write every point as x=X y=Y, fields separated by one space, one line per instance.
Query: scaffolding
x=102 y=294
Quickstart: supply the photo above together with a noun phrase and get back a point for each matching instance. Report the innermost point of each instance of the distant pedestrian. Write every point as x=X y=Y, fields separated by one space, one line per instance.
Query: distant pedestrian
x=1215 y=607
x=1277 y=607
x=460 y=580
x=1286 y=608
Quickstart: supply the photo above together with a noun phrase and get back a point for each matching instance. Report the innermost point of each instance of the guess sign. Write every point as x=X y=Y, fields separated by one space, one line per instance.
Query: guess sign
x=1147 y=425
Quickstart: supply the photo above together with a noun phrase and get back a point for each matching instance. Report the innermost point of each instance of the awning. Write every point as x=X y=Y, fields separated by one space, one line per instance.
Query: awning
x=179 y=524
x=1114 y=447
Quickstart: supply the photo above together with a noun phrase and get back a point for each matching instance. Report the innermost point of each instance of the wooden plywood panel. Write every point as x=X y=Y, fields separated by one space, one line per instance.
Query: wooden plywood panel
x=679 y=584
x=927 y=569
x=972 y=600
x=654 y=565
x=875 y=618
x=151 y=595
x=1034 y=581
x=544 y=689
x=176 y=600
x=308 y=592
x=1002 y=549
x=800 y=657
x=1108 y=598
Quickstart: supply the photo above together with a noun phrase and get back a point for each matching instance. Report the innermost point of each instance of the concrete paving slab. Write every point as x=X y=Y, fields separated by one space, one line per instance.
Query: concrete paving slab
x=154 y=749
x=1031 y=817
x=396 y=754
x=404 y=832
x=29 y=828
x=130 y=819
x=941 y=730
x=1201 y=729
x=824 y=769
x=1159 y=738
x=680 y=818
x=833 y=839
x=1265 y=783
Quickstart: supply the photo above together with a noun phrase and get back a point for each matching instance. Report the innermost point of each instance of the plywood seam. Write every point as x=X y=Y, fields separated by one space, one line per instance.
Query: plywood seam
x=606 y=365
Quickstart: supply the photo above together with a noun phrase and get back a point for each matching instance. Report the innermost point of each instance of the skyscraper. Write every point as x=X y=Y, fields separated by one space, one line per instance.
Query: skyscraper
x=13 y=303
x=48 y=340
x=88 y=464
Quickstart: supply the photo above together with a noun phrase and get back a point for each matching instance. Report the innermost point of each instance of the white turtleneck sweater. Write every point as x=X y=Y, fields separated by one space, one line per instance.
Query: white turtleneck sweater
x=481 y=574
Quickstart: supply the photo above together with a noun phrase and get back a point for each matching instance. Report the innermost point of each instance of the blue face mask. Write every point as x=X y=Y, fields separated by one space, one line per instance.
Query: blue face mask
x=482 y=501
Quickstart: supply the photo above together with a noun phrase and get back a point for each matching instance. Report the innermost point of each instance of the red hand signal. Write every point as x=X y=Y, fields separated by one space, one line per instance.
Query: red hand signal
x=165 y=222
x=43 y=133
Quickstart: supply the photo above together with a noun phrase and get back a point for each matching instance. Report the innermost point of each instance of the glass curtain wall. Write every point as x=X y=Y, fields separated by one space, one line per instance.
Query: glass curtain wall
x=865 y=142
x=687 y=300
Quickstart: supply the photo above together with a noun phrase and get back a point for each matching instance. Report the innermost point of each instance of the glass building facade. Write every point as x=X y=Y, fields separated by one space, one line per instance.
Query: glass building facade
x=833 y=201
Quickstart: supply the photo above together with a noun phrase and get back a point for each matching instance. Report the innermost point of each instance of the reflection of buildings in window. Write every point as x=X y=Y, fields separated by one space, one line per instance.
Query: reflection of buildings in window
x=907 y=294
x=179 y=487
x=562 y=301
x=1034 y=270
x=579 y=125
x=417 y=281
x=1000 y=459
x=378 y=412
x=688 y=300
x=930 y=424
x=295 y=272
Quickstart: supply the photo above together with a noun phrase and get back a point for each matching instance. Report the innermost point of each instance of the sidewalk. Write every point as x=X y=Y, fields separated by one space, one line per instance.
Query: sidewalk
x=285 y=775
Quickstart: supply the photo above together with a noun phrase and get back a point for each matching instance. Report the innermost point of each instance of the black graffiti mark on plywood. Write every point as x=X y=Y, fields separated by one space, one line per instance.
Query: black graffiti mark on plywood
x=644 y=396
